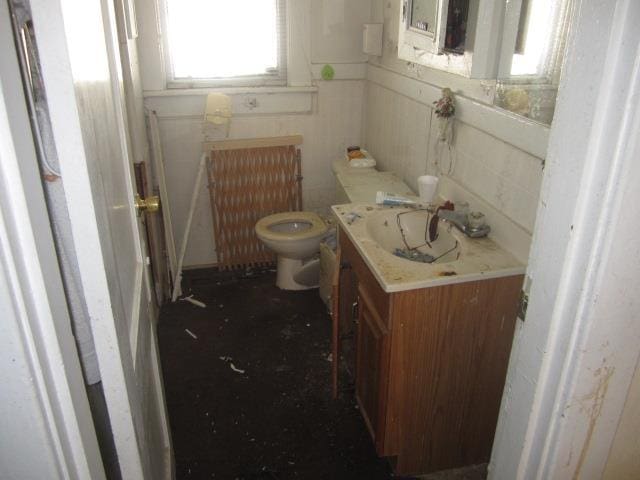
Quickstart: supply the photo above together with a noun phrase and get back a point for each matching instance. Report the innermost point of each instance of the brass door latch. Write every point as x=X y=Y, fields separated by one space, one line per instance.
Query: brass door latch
x=149 y=204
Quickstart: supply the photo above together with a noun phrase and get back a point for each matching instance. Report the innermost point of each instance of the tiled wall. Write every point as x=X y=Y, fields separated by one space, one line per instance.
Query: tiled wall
x=401 y=131
x=402 y=134
x=334 y=124
x=397 y=133
x=507 y=178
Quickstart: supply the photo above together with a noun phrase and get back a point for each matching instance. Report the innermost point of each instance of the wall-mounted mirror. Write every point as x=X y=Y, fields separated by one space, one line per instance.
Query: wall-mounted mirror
x=532 y=55
x=441 y=34
x=431 y=29
x=519 y=43
x=423 y=15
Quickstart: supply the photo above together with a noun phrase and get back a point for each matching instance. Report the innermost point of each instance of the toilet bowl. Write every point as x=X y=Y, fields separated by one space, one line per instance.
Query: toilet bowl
x=295 y=237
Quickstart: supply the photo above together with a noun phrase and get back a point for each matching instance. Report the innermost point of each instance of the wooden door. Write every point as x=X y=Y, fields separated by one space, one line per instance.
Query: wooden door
x=372 y=356
x=82 y=77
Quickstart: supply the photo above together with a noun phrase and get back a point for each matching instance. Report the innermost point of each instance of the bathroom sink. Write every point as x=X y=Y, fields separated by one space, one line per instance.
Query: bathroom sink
x=373 y=231
x=404 y=233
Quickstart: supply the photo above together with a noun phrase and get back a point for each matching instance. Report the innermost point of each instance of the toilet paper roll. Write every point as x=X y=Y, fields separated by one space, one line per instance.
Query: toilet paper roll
x=218 y=110
x=427 y=185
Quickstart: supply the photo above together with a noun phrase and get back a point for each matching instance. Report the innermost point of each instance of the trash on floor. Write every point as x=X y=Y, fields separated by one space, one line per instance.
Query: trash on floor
x=229 y=360
x=237 y=370
x=283 y=399
x=195 y=302
x=191 y=333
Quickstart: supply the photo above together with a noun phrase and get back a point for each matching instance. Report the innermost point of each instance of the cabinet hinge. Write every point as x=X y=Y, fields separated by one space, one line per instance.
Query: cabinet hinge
x=523 y=303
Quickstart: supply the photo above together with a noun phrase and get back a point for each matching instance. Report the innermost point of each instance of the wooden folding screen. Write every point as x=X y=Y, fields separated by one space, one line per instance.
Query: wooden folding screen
x=250 y=179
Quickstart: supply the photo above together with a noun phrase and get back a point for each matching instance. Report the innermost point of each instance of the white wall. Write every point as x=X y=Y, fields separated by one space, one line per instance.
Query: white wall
x=497 y=157
x=334 y=124
x=401 y=131
x=327 y=114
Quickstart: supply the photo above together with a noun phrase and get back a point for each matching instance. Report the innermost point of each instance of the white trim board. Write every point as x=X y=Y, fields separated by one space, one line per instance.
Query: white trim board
x=58 y=435
x=574 y=356
x=522 y=133
x=181 y=92
x=191 y=103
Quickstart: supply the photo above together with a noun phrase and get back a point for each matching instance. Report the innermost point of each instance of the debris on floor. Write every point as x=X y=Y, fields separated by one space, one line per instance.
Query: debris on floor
x=237 y=370
x=229 y=360
x=193 y=301
x=282 y=424
x=191 y=333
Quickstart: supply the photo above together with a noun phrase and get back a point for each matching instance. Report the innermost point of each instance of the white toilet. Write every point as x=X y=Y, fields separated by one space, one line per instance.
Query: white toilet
x=295 y=237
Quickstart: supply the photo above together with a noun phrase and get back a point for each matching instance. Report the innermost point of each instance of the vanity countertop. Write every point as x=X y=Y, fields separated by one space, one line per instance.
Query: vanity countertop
x=479 y=258
x=361 y=184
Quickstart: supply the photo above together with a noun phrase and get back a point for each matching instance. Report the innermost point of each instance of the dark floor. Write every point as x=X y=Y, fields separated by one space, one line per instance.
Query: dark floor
x=277 y=419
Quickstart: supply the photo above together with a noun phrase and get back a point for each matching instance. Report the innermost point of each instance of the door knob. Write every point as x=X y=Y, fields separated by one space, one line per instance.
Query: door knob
x=149 y=204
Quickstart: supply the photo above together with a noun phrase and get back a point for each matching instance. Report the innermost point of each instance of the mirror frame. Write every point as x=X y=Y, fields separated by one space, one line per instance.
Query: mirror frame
x=423 y=39
x=479 y=61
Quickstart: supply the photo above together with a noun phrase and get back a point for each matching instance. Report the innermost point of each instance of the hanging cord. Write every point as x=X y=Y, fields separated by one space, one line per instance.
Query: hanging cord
x=445 y=109
x=439 y=149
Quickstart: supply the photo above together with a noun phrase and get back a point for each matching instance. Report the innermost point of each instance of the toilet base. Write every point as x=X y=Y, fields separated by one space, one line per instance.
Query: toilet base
x=296 y=274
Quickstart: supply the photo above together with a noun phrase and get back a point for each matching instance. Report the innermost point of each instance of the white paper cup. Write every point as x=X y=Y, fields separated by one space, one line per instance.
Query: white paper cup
x=427 y=185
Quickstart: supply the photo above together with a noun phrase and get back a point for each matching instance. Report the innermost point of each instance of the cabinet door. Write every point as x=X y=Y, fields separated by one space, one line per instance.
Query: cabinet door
x=371 y=368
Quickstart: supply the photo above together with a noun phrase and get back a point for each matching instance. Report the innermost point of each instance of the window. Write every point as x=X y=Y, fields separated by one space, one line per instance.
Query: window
x=225 y=42
x=541 y=31
x=534 y=38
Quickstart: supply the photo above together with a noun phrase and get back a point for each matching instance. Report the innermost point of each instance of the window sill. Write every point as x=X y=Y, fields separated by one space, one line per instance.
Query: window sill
x=181 y=92
x=245 y=101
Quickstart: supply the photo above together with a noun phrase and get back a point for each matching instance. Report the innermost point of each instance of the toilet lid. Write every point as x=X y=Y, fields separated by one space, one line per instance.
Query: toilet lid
x=317 y=226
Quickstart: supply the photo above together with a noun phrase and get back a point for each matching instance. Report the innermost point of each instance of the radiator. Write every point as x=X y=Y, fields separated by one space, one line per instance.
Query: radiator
x=250 y=179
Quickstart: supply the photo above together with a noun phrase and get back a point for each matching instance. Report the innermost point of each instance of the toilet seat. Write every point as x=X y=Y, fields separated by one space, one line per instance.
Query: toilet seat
x=317 y=226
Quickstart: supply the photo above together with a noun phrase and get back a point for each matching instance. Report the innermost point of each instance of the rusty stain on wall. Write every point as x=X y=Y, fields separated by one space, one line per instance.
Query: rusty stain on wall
x=591 y=405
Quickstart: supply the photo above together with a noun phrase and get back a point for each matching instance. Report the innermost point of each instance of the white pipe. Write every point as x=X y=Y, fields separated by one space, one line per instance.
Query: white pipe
x=177 y=280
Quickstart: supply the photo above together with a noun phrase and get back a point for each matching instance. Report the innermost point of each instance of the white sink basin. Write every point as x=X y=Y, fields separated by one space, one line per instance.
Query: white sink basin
x=373 y=231
x=404 y=233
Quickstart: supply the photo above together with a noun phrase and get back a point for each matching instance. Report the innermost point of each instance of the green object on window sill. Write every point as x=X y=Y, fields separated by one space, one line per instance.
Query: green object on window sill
x=327 y=72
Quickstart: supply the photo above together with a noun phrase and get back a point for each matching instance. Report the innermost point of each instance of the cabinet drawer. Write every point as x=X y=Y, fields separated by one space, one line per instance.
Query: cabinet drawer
x=379 y=299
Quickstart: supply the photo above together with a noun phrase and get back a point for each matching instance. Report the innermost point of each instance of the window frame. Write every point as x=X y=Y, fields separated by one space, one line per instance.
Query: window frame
x=551 y=66
x=277 y=78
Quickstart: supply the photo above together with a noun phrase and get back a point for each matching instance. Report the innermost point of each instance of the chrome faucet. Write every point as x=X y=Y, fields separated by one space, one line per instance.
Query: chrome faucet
x=461 y=222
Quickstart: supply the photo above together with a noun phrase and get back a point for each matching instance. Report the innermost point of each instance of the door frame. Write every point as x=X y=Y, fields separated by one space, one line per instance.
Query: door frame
x=574 y=356
x=113 y=352
x=29 y=263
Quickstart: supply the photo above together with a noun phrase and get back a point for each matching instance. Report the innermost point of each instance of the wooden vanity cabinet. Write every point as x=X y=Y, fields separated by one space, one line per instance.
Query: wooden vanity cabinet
x=372 y=362
x=430 y=364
